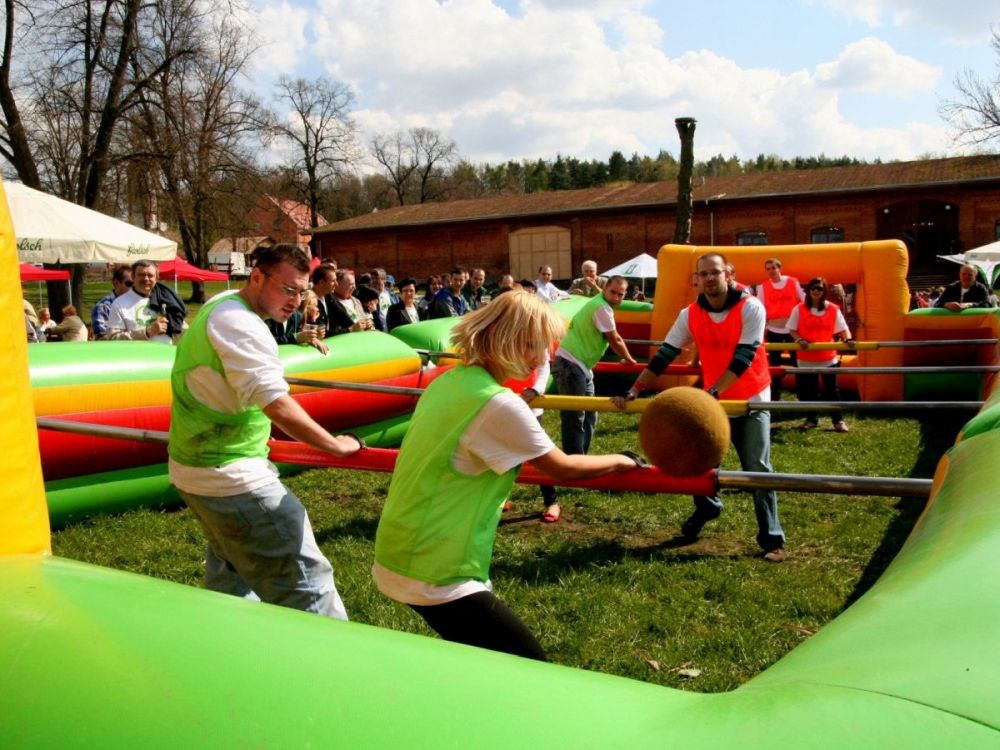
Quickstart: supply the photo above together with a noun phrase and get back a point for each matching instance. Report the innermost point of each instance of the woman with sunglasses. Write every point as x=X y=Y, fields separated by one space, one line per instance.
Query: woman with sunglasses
x=812 y=322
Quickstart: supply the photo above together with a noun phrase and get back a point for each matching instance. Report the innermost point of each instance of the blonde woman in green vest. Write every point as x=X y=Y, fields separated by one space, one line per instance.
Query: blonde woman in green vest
x=464 y=448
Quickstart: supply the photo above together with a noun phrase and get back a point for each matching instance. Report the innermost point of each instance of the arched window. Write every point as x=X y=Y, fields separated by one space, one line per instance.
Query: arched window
x=751 y=238
x=826 y=234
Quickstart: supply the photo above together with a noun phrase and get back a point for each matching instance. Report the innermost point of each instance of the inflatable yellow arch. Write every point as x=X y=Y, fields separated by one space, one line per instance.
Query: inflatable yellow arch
x=24 y=521
x=877 y=268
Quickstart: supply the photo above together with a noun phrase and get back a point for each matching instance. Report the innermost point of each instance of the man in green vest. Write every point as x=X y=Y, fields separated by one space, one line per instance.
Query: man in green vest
x=228 y=387
x=591 y=332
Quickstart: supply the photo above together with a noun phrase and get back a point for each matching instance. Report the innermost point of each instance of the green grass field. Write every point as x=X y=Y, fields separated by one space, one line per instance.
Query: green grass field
x=609 y=588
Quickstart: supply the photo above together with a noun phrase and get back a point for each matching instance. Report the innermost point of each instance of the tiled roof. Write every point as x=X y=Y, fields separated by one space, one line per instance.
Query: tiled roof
x=297 y=212
x=244 y=245
x=866 y=177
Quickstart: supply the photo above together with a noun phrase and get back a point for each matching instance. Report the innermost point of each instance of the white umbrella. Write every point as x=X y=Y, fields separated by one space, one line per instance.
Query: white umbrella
x=986 y=258
x=51 y=230
x=640 y=267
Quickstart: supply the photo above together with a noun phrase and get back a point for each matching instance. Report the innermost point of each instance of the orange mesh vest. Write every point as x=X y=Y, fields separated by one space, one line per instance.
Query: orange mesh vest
x=716 y=343
x=818 y=328
x=779 y=303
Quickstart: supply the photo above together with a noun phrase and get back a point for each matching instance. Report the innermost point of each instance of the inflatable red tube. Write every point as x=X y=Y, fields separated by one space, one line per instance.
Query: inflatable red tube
x=384 y=460
x=67 y=455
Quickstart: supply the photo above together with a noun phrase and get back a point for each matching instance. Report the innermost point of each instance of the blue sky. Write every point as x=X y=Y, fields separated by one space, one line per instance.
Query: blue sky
x=532 y=78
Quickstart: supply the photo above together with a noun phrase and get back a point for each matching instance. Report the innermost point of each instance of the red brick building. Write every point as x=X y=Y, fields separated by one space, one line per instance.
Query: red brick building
x=270 y=222
x=935 y=206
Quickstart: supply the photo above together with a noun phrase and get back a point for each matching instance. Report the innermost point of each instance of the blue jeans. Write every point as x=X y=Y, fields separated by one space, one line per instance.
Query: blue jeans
x=752 y=440
x=261 y=545
x=577 y=427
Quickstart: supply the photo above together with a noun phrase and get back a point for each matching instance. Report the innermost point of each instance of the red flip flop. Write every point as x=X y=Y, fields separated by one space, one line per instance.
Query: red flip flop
x=552 y=513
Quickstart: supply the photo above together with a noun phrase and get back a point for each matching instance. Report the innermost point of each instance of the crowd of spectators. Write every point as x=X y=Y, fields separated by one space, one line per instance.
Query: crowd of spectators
x=138 y=307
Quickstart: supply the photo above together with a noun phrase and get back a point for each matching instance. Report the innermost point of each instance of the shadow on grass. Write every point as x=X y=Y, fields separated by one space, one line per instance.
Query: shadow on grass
x=553 y=565
x=937 y=434
x=361 y=528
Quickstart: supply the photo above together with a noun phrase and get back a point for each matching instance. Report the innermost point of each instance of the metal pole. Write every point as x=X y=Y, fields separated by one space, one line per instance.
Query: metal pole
x=741 y=408
x=856 y=346
x=102 y=430
x=376 y=459
x=931 y=370
x=395 y=390
x=846 y=485
x=621 y=367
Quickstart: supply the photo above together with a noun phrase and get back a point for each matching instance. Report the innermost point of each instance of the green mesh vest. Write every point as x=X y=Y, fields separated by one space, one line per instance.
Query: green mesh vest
x=439 y=525
x=582 y=340
x=200 y=436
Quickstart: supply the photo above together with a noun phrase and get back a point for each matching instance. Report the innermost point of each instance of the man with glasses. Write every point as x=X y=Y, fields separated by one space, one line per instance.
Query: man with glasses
x=727 y=326
x=121 y=282
x=228 y=387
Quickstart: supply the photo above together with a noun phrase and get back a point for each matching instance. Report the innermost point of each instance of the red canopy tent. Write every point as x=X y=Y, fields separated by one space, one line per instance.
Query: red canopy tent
x=31 y=272
x=34 y=273
x=178 y=268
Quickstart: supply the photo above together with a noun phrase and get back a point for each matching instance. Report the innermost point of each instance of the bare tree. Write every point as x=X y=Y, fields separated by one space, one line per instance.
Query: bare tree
x=415 y=162
x=975 y=113
x=196 y=126
x=319 y=127
x=70 y=62
x=435 y=154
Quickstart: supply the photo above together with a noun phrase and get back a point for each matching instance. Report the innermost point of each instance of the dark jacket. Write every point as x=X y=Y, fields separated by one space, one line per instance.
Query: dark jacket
x=446 y=305
x=396 y=315
x=977 y=294
x=285 y=334
x=164 y=301
x=339 y=321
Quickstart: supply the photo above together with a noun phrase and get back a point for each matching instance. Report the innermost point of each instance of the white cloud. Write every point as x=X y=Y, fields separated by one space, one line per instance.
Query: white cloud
x=870 y=64
x=587 y=78
x=965 y=23
x=281 y=29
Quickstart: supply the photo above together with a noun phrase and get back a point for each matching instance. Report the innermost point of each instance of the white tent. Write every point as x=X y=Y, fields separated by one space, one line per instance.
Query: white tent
x=640 y=267
x=985 y=258
x=51 y=230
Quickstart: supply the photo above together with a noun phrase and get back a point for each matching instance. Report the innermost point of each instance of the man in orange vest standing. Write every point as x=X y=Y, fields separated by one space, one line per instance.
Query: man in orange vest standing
x=727 y=326
x=780 y=294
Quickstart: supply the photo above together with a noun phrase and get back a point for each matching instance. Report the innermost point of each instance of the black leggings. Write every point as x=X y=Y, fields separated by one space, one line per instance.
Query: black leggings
x=482 y=620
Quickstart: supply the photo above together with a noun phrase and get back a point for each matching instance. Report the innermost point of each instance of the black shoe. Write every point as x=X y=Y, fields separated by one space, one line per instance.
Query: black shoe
x=692 y=527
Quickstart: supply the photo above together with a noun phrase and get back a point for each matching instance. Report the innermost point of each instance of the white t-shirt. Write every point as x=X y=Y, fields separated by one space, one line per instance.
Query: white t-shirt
x=254 y=375
x=129 y=312
x=604 y=321
x=548 y=291
x=503 y=435
x=778 y=325
x=839 y=326
x=754 y=320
